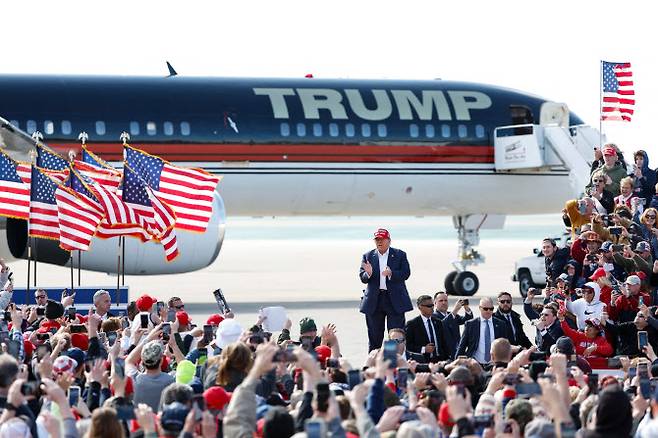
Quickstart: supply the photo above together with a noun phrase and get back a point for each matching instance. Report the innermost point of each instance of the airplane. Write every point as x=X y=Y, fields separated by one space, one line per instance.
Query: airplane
x=309 y=146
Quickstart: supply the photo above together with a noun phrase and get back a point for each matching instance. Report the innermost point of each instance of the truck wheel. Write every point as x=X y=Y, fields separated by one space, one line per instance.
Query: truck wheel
x=525 y=283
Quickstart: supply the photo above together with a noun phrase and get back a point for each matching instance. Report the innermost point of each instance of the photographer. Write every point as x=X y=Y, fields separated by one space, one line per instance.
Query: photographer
x=554 y=259
x=637 y=261
x=625 y=305
x=604 y=200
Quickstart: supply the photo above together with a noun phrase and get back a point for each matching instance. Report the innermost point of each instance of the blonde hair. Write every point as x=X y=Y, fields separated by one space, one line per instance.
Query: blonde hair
x=626 y=181
x=644 y=215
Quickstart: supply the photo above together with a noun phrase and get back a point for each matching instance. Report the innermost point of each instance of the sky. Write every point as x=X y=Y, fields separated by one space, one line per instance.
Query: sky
x=552 y=49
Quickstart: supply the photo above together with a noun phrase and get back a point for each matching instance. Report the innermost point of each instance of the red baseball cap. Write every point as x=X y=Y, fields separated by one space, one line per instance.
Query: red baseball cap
x=324 y=353
x=608 y=150
x=215 y=319
x=600 y=272
x=80 y=340
x=382 y=234
x=183 y=318
x=145 y=302
x=216 y=397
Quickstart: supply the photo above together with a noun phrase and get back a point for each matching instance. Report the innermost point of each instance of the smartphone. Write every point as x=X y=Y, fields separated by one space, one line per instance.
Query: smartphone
x=315 y=428
x=41 y=311
x=391 y=353
x=207 y=333
x=43 y=336
x=528 y=389
x=632 y=372
x=74 y=395
x=159 y=306
x=166 y=331
x=125 y=323
x=221 y=301
x=511 y=379
x=322 y=390
x=614 y=362
x=111 y=338
x=423 y=368
x=593 y=383
x=615 y=231
x=144 y=317
x=29 y=388
x=12 y=347
x=125 y=412
x=641 y=301
x=642 y=339
x=645 y=382
x=285 y=355
x=71 y=313
x=465 y=302
x=353 y=378
x=617 y=247
x=333 y=363
x=483 y=421
x=171 y=315
x=256 y=338
x=403 y=375
x=537 y=355
x=78 y=328
x=120 y=367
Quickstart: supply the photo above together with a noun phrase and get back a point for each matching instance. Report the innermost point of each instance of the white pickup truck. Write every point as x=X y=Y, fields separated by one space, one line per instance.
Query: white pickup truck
x=531 y=271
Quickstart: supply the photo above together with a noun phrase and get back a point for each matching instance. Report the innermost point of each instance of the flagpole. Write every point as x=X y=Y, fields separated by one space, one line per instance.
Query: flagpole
x=29 y=263
x=79 y=263
x=123 y=260
x=124 y=137
x=37 y=136
x=600 y=104
x=83 y=136
x=71 y=159
x=118 y=270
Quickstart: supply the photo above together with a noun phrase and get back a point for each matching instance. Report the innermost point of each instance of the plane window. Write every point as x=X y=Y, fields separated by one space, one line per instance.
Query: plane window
x=429 y=131
x=48 y=127
x=66 y=127
x=151 y=128
x=31 y=126
x=413 y=130
x=365 y=130
x=285 y=129
x=445 y=131
x=185 y=128
x=317 y=129
x=134 y=128
x=333 y=129
x=381 y=130
x=462 y=131
x=100 y=128
x=15 y=123
x=349 y=130
x=479 y=131
x=168 y=128
x=301 y=129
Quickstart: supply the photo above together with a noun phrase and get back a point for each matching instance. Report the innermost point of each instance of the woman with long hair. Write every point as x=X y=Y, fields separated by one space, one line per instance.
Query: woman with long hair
x=105 y=424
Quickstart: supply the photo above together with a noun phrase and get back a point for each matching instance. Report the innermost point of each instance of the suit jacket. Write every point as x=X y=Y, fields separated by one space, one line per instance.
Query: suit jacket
x=397 y=290
x=451 y=325
x=469 y=341
x=416 y=336
x=520 y=338
x=547 y=340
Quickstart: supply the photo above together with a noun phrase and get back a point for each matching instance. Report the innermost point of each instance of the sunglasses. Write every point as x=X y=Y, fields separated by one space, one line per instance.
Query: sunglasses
x=650 y=216
x=399 y=341
x=427 y=305
x=546 y=314
x=182 y=306
x=41 y=296
x=596 y=181
x=489 y=309
x=505 y=301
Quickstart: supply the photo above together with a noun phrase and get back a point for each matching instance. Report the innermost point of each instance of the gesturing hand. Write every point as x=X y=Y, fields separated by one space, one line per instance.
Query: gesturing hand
x=367 y=267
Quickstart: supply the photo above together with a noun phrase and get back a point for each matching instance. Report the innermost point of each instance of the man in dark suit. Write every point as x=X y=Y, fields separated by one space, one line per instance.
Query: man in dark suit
x=385 y=298
x=512 y=320
x=480 y=332
x=547 y=325
x=425 y=334
x=451 y=320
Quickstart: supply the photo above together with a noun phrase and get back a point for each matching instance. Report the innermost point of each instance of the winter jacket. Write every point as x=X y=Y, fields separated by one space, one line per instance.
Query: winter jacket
x=555 y=265
x=616 y=174
x=584 y=310
x=582 y=342
x=645 y=186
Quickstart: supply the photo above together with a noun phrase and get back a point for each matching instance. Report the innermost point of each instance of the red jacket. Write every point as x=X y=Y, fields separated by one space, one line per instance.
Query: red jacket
x=582 y=342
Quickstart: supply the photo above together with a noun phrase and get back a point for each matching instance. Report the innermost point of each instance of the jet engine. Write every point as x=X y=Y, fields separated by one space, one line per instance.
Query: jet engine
x=197 y=250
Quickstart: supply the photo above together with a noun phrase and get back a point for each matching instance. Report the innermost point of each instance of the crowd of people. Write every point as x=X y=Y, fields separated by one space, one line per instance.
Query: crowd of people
x=586 y=370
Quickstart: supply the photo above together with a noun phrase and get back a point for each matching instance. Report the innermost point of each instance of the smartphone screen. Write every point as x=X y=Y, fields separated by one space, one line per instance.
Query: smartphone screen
x=166 y=331
x=171 y=315
x=120 y=367
x=71 y=313
x=144 y=320
x=642 y=339
x=403 y=375
x=111 y=338
x=593 y=383
x=353 y=378
x=74 y=395
x=528 y=389
x=391 y=353
x=207 y=333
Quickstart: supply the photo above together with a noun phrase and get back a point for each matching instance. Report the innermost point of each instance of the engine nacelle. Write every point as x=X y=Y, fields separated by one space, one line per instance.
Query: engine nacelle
x=196 y=250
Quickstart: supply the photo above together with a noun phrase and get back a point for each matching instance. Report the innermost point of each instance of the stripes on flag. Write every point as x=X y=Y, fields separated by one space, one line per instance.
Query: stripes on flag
x=14 y=192
x=108 y=178
x=43 y=220
x=618 y=93
x=79 y=216
x=189 y=192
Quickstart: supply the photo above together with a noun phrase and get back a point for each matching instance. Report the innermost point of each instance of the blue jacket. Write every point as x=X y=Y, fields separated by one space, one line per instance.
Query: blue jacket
x=397 y=290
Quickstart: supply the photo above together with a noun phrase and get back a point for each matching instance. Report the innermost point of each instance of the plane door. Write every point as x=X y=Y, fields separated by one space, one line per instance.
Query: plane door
x=554 y=113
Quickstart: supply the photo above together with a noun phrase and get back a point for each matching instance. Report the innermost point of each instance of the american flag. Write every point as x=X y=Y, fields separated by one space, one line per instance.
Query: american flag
x=43 y=221
x=79 y=216
x=108 y=178
x=14 y=192
x=618 y=94
x=188 y=191
x=49 y=159
x=160 y=216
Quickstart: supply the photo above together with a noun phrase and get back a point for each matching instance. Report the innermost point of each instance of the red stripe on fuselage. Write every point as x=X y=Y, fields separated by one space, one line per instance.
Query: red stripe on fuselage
x=356 y=153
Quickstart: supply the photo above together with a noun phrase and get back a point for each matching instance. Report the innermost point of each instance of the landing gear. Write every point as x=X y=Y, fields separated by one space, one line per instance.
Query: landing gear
x=461 y=281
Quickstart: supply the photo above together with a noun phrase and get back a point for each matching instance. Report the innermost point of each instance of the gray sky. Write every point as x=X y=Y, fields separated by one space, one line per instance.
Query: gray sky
x=551 y=49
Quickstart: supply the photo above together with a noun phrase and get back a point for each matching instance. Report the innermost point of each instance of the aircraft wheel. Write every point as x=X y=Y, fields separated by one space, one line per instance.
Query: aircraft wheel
x=449 y=282
x=466 y=283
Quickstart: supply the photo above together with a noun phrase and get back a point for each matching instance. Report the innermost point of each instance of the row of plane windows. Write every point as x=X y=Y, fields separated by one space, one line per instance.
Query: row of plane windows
x=366 y=130
x=135 y=128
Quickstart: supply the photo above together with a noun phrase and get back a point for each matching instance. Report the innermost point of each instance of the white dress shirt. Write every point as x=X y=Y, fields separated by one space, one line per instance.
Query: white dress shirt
x=383 y=262
x=479 y=353
x=429 y=338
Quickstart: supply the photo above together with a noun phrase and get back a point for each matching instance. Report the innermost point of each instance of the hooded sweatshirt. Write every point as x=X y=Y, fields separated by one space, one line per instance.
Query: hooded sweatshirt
x=582 y=342
x=584 y=310
x=645 y=186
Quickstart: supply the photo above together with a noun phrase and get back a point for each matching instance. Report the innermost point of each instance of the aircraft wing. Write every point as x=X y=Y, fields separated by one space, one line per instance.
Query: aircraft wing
x=15 y=142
